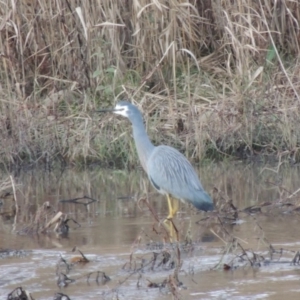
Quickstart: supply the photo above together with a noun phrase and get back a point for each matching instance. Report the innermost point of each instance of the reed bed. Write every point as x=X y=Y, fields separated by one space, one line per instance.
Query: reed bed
x=213 y=78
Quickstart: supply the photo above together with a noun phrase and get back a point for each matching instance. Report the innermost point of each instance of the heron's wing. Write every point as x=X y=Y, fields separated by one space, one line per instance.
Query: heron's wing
x=172 y=172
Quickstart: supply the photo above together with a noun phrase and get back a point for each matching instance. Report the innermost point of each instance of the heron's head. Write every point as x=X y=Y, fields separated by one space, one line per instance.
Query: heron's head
x=125 y=109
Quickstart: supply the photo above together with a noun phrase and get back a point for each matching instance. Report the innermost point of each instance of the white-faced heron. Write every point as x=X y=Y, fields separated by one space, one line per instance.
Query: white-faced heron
x=168 y=170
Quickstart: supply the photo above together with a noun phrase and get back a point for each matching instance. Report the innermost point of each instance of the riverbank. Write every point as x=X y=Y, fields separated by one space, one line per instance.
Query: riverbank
x=216 y=82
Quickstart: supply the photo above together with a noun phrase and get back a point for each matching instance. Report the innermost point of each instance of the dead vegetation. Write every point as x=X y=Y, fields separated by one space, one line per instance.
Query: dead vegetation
x=19 y=294
x=44 y=218
x=236 y=253
x=65 y=267
x=213 y=78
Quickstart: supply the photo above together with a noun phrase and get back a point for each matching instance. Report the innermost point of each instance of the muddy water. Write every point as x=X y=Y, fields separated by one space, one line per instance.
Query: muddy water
x=118 y=227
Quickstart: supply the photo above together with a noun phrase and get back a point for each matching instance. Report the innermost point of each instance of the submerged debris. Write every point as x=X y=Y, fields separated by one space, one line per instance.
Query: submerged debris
x=63 y=280
x=79 y=259
x=61 y=296
x=169 y=285
x=64 y=267
x=4 y=253
x=85 y=200
x=296 y=258
x=19 y=294
x=41 y=220
x=101 y=277
x=46 y=217
x=62 y=226
x=154 y=261
x=8 y=207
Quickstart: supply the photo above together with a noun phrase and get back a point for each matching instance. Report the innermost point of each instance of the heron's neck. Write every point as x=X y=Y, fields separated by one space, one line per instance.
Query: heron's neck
x=142 y=142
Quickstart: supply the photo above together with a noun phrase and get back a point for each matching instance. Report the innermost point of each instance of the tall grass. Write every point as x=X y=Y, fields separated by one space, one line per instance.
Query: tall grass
x=212 y=77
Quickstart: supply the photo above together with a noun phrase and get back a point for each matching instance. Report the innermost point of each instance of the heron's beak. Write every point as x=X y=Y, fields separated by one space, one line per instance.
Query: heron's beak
x=106 y=110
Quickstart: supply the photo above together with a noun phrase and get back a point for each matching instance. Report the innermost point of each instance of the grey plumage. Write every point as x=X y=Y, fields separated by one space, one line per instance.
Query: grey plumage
x=174 y=175
x=168 y=170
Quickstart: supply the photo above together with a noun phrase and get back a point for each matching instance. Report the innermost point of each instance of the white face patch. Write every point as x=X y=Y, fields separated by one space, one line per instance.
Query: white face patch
x=121 y=110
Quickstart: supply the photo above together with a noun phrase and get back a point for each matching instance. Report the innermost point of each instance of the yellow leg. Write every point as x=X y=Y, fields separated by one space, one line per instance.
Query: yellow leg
x=173 y=207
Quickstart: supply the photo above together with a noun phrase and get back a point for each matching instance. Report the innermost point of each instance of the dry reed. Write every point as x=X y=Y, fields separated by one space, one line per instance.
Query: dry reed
x=212 y=77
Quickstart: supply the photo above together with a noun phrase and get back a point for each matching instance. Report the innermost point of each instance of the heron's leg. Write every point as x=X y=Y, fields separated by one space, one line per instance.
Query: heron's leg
x=170 y=215
x=169 y=225
x=173 y=207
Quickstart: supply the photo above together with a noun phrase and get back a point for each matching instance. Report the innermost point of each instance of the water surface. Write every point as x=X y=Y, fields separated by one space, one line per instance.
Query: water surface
x=118 y=227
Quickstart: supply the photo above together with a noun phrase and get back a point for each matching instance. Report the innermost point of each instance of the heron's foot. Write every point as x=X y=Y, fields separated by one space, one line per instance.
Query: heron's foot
x=169 y=218
x=167 y=222
x=171 y=228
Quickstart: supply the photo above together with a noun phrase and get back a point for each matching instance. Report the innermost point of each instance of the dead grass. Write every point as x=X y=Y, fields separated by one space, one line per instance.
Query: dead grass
x=213 y=79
